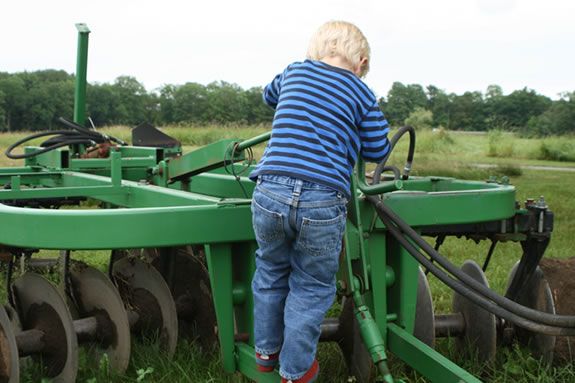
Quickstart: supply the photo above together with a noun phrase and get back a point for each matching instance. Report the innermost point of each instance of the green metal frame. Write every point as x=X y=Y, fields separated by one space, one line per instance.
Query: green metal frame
x=151 y=199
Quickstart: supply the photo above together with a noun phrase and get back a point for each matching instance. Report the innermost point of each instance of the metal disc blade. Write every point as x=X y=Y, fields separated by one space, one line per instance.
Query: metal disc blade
x=95 y=295
x=357 y=358
x=186 y=274
x=41 y=306
x=9 y=362
x=536 y=295
x=424 y=329
x=480 y=337
x=144 y=291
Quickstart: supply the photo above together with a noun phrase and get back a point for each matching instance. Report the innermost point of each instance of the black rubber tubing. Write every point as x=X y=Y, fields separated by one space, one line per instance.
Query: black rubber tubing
x=74 y=139
x=463 y=289
x=411 y=152
x=77 y=136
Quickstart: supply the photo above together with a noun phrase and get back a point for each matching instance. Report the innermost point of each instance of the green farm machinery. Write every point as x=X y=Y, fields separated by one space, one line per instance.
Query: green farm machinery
x=178 y=228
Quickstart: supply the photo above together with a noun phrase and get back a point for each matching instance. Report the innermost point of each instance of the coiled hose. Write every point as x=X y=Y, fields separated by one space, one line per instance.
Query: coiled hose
x=79 y=135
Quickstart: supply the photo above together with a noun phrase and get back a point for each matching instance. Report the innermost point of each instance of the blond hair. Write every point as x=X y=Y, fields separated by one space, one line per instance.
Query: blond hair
x=340 y=38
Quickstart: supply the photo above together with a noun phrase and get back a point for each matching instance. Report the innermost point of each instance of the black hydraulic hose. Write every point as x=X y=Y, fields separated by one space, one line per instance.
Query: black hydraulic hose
x=90 y=132
x=411 y=152
x=464 y=290
x=78 y=136
x=560 y=321
x=73 y=139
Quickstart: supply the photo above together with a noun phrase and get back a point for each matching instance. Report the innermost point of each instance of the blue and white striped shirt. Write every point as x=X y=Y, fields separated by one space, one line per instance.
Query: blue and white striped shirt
x=324 y=117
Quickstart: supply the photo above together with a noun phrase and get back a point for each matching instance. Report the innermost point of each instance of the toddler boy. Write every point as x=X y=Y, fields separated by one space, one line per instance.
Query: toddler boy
x=324 y=117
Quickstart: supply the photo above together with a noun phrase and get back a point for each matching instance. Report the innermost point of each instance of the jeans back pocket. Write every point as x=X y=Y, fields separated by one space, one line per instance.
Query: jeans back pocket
x=322 y=236
x=268 y=225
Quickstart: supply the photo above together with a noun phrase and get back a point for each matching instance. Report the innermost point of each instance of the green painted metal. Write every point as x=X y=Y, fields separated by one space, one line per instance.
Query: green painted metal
x=254 y=141
x=424 y=359
x=220 y=267
x=159 y=198
x=203 y=159
x=81 y=73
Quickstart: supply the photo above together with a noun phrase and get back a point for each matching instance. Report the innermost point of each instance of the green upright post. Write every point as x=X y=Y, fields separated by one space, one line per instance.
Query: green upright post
x=219 y=257
x=81 y=71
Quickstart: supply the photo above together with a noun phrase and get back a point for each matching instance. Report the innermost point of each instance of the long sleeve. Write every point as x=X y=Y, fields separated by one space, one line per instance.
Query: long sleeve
x=373 y=132
x=272 y=91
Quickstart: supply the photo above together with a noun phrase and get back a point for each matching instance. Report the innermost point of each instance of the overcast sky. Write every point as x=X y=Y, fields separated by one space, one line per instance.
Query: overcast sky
x=457 y=45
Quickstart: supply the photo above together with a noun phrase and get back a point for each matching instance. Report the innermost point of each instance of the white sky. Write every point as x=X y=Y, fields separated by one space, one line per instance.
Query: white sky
x=457 y=45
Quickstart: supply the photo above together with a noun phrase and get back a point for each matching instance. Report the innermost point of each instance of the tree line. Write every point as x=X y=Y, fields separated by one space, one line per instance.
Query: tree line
x=34 y=100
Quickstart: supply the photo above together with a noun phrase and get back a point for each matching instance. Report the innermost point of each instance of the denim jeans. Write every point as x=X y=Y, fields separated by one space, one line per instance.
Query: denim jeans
x=299 y=227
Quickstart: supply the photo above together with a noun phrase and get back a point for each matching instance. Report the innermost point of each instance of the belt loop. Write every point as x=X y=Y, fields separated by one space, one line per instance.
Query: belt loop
x=297 y=188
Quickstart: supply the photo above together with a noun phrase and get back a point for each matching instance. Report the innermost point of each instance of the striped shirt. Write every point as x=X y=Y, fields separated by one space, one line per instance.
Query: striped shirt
x=324 y=116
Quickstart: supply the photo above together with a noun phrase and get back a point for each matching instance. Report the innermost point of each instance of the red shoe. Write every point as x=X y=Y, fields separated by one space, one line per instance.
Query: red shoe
x=308 y=377
x=266 y=363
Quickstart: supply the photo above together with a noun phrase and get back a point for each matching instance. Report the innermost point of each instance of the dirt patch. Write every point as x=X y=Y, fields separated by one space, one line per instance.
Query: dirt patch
x=560 y=274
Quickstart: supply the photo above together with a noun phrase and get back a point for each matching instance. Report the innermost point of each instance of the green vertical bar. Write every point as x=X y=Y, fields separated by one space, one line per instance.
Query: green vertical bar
x=81 y=72
x=377 y=256
x=402 y=295
x=220 y=268
x=244 y=265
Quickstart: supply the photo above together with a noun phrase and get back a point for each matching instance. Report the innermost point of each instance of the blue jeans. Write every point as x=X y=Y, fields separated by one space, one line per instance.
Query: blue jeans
x=299 y=227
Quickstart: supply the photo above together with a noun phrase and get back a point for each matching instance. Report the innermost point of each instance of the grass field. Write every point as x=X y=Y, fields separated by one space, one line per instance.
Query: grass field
x=437 y=153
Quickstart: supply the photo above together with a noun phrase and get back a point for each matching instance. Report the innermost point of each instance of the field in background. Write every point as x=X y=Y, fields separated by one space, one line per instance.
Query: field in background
x=437 y=153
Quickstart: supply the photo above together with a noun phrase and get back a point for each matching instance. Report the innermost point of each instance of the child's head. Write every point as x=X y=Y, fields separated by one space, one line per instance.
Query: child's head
x=340 y=38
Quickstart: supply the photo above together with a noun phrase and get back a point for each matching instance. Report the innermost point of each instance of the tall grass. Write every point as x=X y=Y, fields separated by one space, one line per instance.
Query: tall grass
x=500 y=144
x=557 y=149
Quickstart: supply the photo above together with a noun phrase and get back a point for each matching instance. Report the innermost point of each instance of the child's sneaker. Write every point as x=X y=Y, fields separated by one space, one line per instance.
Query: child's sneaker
x=266 y=363
x=308 y=377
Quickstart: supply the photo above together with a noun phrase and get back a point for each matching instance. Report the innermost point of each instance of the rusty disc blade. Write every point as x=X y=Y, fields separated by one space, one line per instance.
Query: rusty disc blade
x=536 y=295
x=9 y=362
x=96 y=296
x=40 y=306
x=145 y=292
x=186 y=273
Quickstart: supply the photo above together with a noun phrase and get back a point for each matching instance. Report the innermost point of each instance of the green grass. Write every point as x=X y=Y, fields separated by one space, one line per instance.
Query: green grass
x=437 y=153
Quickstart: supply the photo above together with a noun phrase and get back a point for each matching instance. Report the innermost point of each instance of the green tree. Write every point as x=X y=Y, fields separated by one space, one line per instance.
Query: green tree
x=558 y=119
x=439 y=103
x=257 y=111
x=101 y=104
x=2 y=112
x=190 y=103
x=14 y=103
x=402 y=100
x=131 y=109
x=226 y=103
x=420 y=119
x=467 y=112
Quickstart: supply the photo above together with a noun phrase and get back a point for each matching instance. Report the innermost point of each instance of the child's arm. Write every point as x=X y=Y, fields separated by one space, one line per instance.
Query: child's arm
x=272 y=90
x=373 y=132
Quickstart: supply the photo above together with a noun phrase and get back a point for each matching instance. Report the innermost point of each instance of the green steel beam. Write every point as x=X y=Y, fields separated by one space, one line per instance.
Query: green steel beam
x=123 y=228
x=220 y=185
x=203 y=159
x=424 y=359
x=460 y=206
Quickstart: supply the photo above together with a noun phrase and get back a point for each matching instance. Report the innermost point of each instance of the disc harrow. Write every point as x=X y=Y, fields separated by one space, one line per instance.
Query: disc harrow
x=178 y=230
